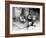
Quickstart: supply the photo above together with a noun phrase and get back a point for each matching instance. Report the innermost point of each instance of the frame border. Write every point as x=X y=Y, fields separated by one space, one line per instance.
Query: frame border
x=7 y=18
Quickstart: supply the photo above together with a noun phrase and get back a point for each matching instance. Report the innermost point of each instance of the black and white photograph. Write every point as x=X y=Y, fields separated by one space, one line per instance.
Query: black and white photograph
x=25 y=19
